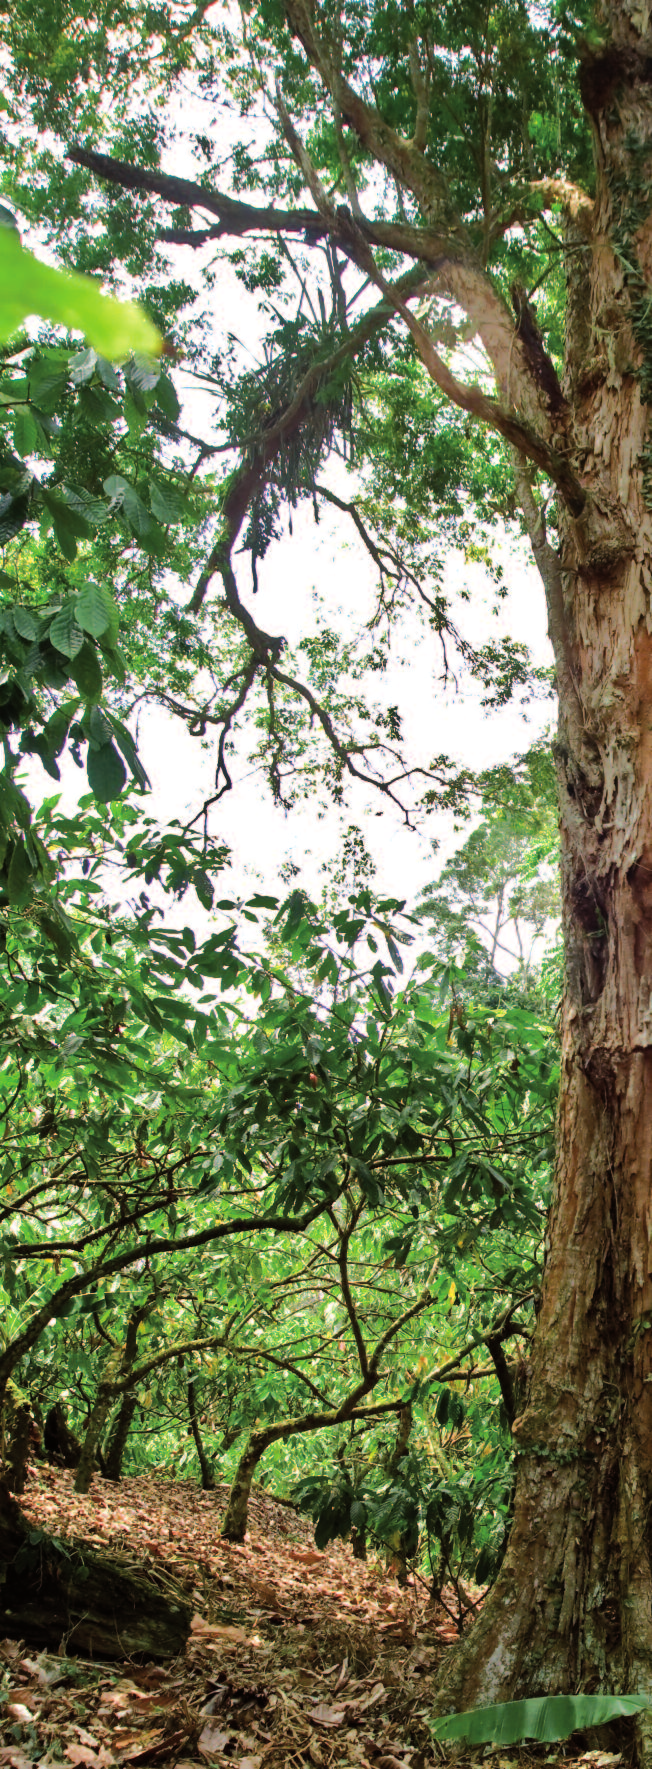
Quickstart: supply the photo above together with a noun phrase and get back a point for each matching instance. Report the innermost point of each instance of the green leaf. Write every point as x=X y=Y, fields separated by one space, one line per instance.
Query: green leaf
x=142 y=373
x=64 y=633
x=126 y=743
x=166 y=398
x=29 y=287
x=546 y=1717
x=25 y=623
x=65 y=516
x=144 y=527
x=25 y=430
x=97 y=612
x=203 y=888
x=82 y=367
x=20 y=878
x=14 y=512
x=48 y=376
x=107 y=374
x=106 y=772
x=168 y=503
x=147 y=1010
x=86 y=672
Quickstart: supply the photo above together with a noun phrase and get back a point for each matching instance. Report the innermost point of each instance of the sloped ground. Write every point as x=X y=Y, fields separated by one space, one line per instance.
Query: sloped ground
x=295 y=1658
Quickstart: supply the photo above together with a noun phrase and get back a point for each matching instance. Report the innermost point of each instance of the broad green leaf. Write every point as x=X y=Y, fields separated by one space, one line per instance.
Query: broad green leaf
x=82 y=367
x=93 y=510
x=126 y=743
x=28 y=287
x=147 y=1010
x=65 y=516
x=20 y=878
x=14 y=512
x=106 y=772
x=25 y=429
x=107 y=374
x=546 y=1717
x=48 y=377
x=86 y=672
x=96 y=611
x=142 y=373
x=203 y=888
x=65 y=633
x=25 y=623
x=166 y=397
x=168 y=504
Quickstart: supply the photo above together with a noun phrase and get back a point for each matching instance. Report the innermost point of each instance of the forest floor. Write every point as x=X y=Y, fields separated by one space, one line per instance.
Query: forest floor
x=295 y=1657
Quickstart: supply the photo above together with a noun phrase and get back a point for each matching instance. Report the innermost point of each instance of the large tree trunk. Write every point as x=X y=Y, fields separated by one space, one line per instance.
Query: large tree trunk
x=89 y=1600
x=572 y=1606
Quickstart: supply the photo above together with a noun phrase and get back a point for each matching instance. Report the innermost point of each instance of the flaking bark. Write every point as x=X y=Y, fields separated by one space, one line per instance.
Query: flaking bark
x=572 y=1605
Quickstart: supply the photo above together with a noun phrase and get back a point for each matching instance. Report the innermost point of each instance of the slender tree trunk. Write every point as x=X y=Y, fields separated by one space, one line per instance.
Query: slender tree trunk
x=207 y=1475
x=572 y=1605
x=116 y=1369
x=234 y=1523
x=401 y=1548
x=359 y=1543
x=20 y=1439
x=97 y=1421
x=118 y=1436
x=104 y=1400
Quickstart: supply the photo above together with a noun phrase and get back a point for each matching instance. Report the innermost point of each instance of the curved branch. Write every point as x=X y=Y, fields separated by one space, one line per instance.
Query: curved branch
x=234 y=219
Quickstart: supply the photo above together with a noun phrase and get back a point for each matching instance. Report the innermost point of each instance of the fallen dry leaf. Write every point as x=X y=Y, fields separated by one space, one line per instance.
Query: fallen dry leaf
x=216 y=1630
x=81 y=1754
x=323 y=1715
x=212 y=1740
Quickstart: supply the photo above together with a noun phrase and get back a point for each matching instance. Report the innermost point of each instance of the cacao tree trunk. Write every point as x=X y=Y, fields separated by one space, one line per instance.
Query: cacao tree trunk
x=113 y=1382
x=96 y=1423
x=207 y=1474
x=401 y=1548
x=572 y=1605
x=118 y=1435
x=234 y=1523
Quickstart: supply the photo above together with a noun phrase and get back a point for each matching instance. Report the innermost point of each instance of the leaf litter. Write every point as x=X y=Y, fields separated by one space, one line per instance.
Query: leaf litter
x=295 y=1658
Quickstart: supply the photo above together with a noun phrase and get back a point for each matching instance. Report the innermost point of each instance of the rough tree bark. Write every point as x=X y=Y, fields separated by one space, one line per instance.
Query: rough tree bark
x=572 y=1606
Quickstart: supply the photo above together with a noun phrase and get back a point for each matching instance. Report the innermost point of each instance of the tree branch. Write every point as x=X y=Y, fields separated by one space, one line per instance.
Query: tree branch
x=234 y=219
